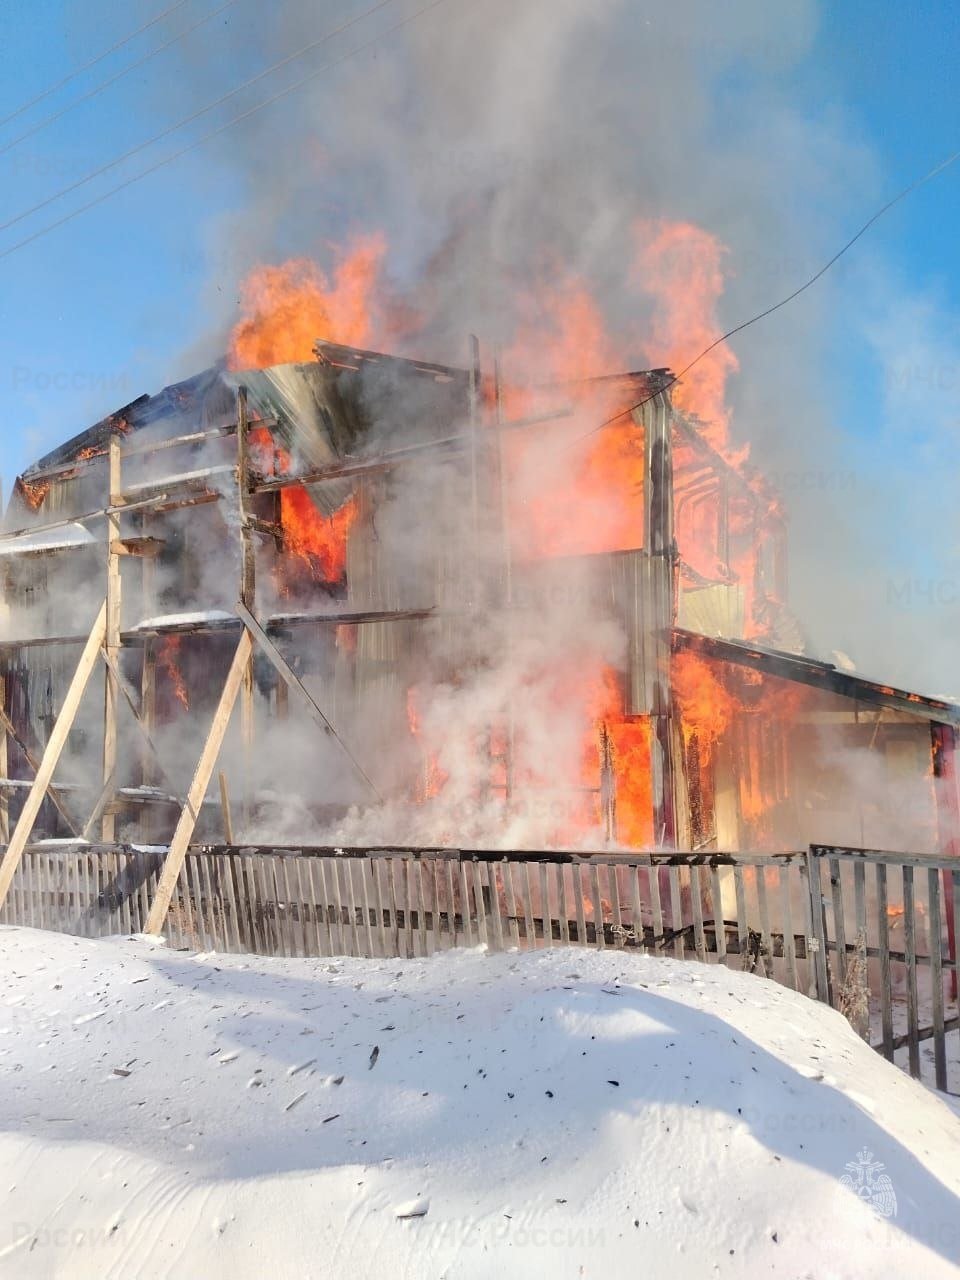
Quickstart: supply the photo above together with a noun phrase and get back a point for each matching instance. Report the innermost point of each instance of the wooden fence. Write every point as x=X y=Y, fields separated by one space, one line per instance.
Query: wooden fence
x=845 y=926
x=887 y=932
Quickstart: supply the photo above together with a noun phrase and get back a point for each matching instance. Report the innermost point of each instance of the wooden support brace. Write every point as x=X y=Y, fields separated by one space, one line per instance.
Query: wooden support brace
x=52 y=753
x=9 y=728
x=198 y=787
x=290 y=676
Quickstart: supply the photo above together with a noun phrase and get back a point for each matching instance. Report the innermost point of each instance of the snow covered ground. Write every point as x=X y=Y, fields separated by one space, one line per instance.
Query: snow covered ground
x=566 y=1113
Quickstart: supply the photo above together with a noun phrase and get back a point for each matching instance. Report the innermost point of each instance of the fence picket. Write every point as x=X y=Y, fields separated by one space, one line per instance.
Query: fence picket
x=716 y=907
x=493 y=882
x=696 y=904
x=789 y=945
x=653 y=879
x=577 y=869
x=910 y=952
x=546 y=918
x=481 y=906
x=883 y=924
x=839 y=928
x=636 y=906
x=676 y=914
x=451 y=902
x=530 y=929
x=563 y=909
x=936 y=977
x=613 y=880
x=599 y=939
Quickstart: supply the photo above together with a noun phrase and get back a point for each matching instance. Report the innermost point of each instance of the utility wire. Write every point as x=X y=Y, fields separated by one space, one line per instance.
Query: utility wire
x=92 y=63
x=97 y=89
x=908 y=190
x=164 y=133
x=367 y=44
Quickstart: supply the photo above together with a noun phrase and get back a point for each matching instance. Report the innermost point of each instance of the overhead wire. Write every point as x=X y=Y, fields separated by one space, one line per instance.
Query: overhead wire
x=78 y=71
x=195 y=115
x=244 y=115
x=768 y=311
x=105 y=84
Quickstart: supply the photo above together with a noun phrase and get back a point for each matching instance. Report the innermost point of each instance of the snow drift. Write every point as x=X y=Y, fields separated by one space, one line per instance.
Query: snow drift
x=567 y=1113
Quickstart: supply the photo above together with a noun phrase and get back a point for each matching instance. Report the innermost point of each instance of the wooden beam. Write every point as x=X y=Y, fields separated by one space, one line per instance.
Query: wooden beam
x=52 y=752
x=818 y=675
x=143 y=547
x=9 y=535
x=269 y=528
x=171 y=483
x=225 y=808
x=198 y=787
x=248 y=592
x=146 y=716
x=290 y=676
x=111 y=646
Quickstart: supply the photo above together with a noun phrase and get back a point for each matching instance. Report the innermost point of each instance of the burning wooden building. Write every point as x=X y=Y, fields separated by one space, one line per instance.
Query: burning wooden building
x=519 y=616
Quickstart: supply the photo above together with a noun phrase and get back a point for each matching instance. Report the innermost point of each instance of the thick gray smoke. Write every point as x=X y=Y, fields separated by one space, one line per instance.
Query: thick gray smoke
x=502 y=144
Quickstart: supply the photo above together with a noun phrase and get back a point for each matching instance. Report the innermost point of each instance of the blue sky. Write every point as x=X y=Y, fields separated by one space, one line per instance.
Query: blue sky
x=99 y=310
x=111 y=304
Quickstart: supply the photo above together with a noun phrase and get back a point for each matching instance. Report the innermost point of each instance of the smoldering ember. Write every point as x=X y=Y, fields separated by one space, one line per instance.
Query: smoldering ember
x=435 y=836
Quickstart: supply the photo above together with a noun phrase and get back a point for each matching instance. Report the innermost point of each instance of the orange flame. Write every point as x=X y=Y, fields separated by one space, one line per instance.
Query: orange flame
x=681 y=265
x=430 y=778
x=286 y=308
x=318 y=540
x=704 y=703
x=167 y=657
x=631 y=759
x=575 y=491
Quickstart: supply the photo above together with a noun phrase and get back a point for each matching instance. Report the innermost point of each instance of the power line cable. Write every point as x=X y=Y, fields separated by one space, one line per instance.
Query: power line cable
x=908 y=190
x=367 y=44
x=164 y=133
x=98 y=89
x=92 y=63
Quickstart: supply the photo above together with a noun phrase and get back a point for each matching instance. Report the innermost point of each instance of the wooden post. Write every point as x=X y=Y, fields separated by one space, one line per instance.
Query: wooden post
x=608 y=787
x=52 y=753
x=248 y=588
x=112 y=644
x=657 y=612
x=148 y=679
x=947 y=796
x=198 y=787
x=225 y=807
